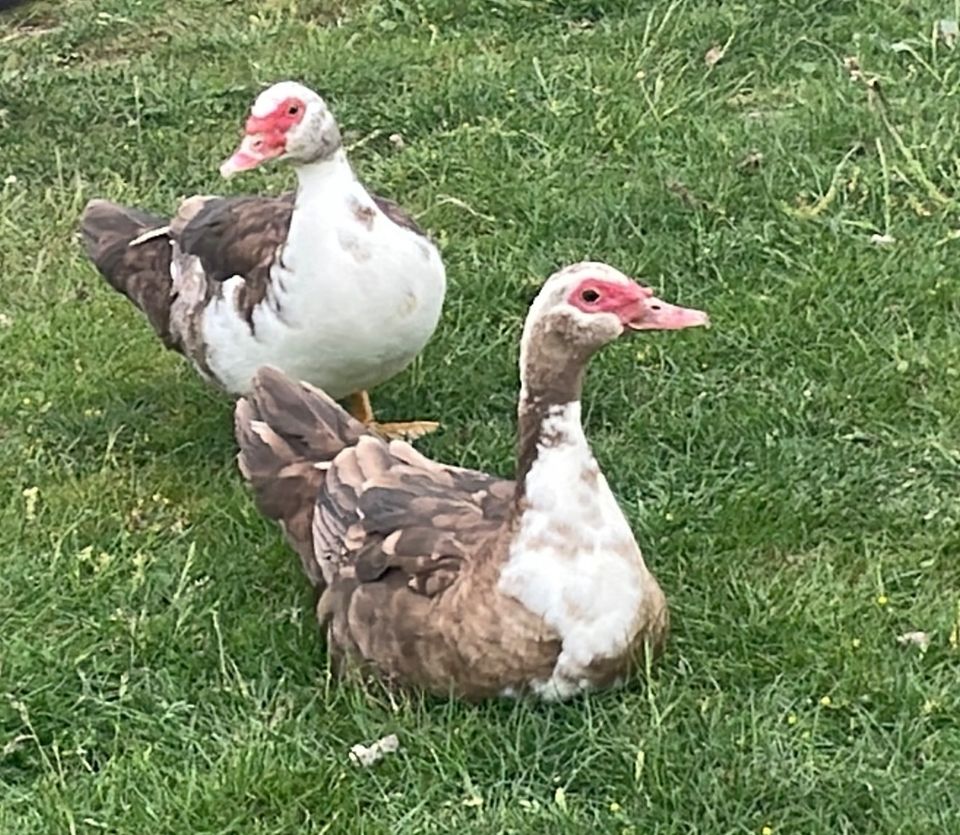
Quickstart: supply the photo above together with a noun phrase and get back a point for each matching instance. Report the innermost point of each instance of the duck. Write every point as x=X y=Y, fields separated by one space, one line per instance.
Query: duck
x=332 y=284
x=456 y=582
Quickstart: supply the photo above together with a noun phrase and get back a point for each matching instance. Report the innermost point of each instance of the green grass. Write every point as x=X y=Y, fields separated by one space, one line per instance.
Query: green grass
x=793 y=474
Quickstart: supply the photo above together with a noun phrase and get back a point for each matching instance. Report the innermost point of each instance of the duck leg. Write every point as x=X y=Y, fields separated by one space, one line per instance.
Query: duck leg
x=358 y=404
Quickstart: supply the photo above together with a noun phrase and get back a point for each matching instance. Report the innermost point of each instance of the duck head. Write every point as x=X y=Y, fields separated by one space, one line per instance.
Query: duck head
x=288 y=121
x=585 y=306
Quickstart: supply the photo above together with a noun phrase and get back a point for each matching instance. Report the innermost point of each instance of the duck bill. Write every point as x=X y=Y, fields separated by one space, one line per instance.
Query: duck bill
x=254 y=150
x=657 y=315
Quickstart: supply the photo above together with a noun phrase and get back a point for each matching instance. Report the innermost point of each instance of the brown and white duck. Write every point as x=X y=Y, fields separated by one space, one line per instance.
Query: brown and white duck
x=456 y=581
x=333 y=285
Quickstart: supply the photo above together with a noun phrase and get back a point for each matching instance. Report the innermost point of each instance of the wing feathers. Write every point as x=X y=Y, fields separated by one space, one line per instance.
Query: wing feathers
x=288 y=433
x=141 y=273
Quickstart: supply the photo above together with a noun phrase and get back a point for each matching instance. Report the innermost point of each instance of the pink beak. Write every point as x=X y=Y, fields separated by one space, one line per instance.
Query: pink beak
x=254 y=149
x=657 y=315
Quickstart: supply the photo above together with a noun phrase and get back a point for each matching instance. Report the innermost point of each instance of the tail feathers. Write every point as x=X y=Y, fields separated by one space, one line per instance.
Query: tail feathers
x=140 y=272
x=287 y=431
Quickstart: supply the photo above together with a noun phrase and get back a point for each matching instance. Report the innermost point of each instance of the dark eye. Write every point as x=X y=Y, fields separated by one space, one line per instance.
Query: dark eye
x=294 y=109
x=590 y=296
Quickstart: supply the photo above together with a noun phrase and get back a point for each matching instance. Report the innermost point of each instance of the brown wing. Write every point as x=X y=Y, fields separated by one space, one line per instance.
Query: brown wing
x=287 y=431
x=141 y=273
x=395 y=532
x=236 y=236
x=414 y=598
x=384 y=508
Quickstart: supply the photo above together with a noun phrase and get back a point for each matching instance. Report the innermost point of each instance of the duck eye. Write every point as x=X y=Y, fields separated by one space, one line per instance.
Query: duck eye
x=294 y=109
x=590 y=296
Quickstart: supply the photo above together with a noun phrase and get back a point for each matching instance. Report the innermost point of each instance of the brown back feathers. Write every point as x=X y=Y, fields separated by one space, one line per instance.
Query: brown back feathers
x=287 y=432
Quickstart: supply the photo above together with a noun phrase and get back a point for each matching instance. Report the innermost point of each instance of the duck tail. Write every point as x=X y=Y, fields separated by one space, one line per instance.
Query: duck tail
x=131 y=249
x=288 y=432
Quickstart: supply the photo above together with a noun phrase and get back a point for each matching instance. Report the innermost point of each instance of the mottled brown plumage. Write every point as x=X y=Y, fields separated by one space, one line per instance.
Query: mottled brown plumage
x=396 y=531
x=441 y=578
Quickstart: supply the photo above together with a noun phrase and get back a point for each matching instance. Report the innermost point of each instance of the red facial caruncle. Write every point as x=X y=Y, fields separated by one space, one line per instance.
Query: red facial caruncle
x=283 y=117
x=266 y=136
x=635 y=305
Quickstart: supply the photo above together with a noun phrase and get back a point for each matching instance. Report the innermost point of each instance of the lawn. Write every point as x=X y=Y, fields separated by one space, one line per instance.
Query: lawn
x=793 y=474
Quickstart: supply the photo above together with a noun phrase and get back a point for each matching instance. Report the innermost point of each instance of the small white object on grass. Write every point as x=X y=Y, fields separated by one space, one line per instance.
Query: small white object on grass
x=366 y=756
x=948 y=30
x=917 y=639
x=714 y=55
x=882 y=240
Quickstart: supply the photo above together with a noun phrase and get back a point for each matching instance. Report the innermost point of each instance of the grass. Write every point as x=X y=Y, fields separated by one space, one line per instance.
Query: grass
x=793 y=474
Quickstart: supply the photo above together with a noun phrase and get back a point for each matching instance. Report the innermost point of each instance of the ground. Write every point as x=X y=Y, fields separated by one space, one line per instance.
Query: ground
x=792 y=473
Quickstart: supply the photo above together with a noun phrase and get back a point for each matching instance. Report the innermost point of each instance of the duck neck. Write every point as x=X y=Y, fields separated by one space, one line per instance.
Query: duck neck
x=548 y=412
x=322 y=176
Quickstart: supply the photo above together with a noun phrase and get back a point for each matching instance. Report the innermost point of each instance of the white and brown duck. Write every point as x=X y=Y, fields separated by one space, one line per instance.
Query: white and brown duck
x=452 y=580
x=333 y=285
